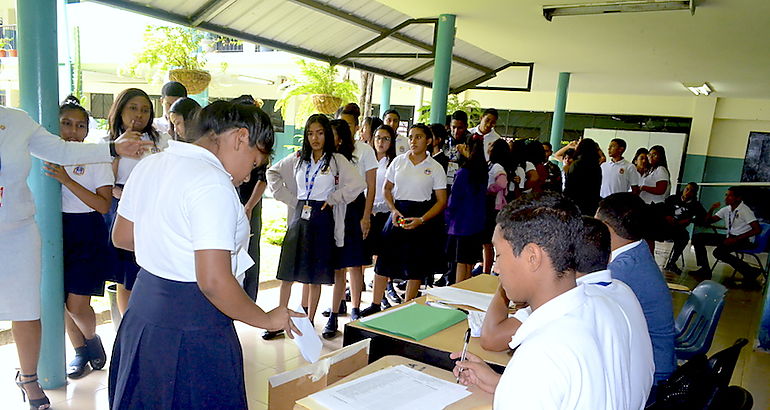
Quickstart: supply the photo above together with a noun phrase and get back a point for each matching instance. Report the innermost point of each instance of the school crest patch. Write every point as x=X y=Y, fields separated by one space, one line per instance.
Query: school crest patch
x=622 y=171
x=79 y=170
x=428 y=171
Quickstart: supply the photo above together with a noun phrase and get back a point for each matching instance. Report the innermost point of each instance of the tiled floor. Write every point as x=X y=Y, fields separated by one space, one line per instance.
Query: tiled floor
x=265 y=358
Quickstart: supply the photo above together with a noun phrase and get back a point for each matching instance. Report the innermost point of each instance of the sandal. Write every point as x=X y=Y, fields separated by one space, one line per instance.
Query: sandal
x=36 y=404
x=96 y=354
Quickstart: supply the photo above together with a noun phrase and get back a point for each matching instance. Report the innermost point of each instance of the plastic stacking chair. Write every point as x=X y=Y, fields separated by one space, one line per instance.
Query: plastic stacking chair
x=697 y=320
x=761 y=245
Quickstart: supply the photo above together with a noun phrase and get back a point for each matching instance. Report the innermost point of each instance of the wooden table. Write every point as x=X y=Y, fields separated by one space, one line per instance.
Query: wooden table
x=477 y=400
x=434 y=349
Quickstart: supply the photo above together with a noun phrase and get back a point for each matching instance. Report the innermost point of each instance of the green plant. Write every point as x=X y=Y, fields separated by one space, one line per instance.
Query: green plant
x=167 y=48
x=471 y=107
x=4 y=42
x=316 y=78
x=273 y=230
x=298 y=143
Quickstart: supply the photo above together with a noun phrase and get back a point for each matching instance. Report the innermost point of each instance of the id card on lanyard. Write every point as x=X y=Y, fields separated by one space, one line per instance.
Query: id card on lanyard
x=309 y=183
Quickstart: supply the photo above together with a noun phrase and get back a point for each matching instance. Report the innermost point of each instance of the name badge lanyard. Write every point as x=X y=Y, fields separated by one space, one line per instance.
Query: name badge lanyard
x=309 y=184
x=730 y=220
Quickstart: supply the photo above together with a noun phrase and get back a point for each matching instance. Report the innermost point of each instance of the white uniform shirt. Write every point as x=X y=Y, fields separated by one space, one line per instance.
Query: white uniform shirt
x=522 y=174
x=180 y=201
x=494 y=171
x=402 y=144
x=637 y=378
x=489 y=139
x=618 y=177
x=161 y=124
x=379 y=196
x=415 y=182
x=559 y=362
x=21 y=136
x=323 y=184
x=90 y=177
x=364 y=157
x=738 y=221
x=126 y=165
x=660 y=174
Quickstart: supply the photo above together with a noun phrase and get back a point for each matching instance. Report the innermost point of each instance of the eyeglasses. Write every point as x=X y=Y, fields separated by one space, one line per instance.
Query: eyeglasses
x=382 y=138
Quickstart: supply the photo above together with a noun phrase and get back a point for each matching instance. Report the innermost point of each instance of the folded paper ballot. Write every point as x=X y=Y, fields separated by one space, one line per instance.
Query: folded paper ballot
x=414 y=321
x=416 y=390
x=457 y=296
x=309 y=343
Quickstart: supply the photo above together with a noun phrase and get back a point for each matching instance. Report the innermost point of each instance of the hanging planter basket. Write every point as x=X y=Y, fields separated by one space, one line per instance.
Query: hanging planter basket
x=194 y=80
x=325 y=103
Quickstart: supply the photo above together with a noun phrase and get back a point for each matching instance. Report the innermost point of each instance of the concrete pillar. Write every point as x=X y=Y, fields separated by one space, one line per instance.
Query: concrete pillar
x=559 y=111
x=442 y=67
x=387 y=83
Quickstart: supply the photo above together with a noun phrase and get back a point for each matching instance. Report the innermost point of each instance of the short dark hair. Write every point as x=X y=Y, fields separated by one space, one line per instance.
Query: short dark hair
x=547 y=219
x=594 y=252
x=460 y=115
x=426 y=129
x=173 y=89
x=373 y=123
x=491 y=111
x=621 y=142
x=570 y=152
x=349 y=109
x=625 y=213
x=391 y=111
x=186 y=107
x=736 y=190
x=500 y=153
x=347 y=145
x=221 y=116
x=439 y=133
x=694 y=186
x=548 y=144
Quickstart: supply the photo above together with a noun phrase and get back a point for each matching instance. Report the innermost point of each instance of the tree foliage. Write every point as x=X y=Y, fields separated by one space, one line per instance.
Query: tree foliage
x=167 y=48
x=471 y=107
x=316 y=78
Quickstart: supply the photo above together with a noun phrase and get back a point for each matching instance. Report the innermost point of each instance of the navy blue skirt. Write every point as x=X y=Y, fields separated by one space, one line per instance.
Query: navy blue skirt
x=175 y=350
x=123 y=267
x=373 y=242
x=86 y=258
x=464 y=249
x=353 y=253
x=307 y=253
x=409 y=254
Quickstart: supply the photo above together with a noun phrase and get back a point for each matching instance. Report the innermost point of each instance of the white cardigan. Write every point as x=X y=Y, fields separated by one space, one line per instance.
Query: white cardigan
x=280 y=180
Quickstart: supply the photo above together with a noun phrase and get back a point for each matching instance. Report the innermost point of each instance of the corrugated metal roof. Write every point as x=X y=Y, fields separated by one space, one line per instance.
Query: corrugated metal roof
x=328 y=30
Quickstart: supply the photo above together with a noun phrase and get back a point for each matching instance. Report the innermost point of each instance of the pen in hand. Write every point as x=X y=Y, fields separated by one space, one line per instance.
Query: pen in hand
x=465 y=350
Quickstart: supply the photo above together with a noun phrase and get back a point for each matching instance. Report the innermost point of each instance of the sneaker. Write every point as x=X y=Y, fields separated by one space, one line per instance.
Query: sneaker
x=347 y=294
x=401 y=285
x=330 y=330
x=477 y=270
x=372 y=309
x=271 y=334
x=96 y=354
x=391 y=294
x=385 y=304
x=355 y=314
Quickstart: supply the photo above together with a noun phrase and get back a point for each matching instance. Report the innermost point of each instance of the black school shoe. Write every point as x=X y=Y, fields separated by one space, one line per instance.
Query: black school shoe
x=330 y=330
x=96 y=354
x=271 y=334
x=342 y=312
x=77 y=367
x=391 y=294
x=372 y=309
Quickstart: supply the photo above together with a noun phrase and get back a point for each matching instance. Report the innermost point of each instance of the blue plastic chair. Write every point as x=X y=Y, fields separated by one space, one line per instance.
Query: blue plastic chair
x=697 y=320
x=761 y=245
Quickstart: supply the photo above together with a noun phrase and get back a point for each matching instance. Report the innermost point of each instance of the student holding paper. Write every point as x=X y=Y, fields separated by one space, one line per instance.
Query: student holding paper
x=535 y=242
x=177 y=346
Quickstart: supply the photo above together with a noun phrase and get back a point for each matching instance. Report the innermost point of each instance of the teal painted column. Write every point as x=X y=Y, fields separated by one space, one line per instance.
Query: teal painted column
x=557 y=126
x=445 y=39
x=387 y=83
x=201 y=98
x=39 y=86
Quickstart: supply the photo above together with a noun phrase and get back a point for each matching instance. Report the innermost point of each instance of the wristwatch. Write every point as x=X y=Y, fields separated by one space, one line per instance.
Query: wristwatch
x=113 y=151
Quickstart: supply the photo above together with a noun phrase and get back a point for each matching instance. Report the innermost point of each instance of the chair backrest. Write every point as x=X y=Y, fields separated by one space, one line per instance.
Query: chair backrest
x=697 y=320
x=762 y=240
x=723 y=362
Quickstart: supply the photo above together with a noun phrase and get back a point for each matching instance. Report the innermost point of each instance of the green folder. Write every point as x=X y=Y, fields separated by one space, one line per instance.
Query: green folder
x=416 y=321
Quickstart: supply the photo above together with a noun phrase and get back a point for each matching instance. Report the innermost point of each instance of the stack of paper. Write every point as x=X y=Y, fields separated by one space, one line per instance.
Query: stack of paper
x=457 y=296
x=414 y=320
x=414 y=389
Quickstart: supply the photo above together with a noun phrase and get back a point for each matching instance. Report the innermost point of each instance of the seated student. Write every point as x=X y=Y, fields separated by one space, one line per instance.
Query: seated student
x=678 y=211
x=562 y=348
x=742 y=226
x=633 y=264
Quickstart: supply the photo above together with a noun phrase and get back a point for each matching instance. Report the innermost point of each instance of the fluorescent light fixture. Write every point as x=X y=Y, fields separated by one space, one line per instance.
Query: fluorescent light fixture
x=622 y=6
x=704 y=89
x=257 y=80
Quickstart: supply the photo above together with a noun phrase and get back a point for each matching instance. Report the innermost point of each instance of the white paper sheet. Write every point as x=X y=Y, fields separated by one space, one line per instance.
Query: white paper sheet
x=386 y=312
x=475 y=321
x=416 y=390
x=309 y=343
x=458 y=296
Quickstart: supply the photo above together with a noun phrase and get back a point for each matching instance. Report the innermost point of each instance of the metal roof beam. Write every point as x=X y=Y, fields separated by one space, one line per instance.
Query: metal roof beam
x=394 y=55
x=492 y=74
x=209 y=10
x=408 y=75
x=383 y=36
x=352 y=19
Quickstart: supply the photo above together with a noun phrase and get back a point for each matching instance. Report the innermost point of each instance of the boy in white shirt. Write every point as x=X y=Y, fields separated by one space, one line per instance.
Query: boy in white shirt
x=742 y=227
x=618 y=175
x=558 y=360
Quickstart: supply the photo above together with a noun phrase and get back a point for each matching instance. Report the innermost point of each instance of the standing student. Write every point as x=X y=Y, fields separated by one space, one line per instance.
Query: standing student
x=86 y=195
x=497 y=188
x=535 y=154
x=573 y=351
x=656 y=186
x=632 y=263
x=130 y=114
x=525 y=173
x=567 y=159
x=316 y=183
x=368 y=127
x=169 y=94
x=411 y=181
x=393 y=119
x=177 y=346
x=618 y=175
x=553 y=179
x=181 y=115
x=437 y=147
x=352 y=255
x=642 y=163
x=584 y=179
x=486 y=128
x=465 y=213
x=458 y=126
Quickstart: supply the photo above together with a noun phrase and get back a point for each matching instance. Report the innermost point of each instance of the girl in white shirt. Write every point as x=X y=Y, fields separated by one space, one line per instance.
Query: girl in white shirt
x=317 y=184
x=176 y=346
x=131 y=114
x=86 y=195
x=411 y=181
x=656 y=186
